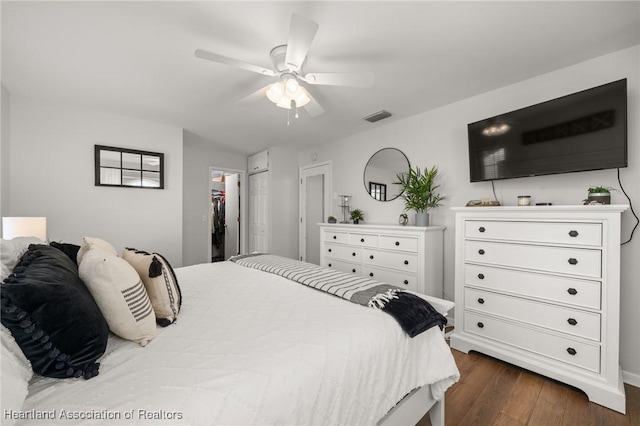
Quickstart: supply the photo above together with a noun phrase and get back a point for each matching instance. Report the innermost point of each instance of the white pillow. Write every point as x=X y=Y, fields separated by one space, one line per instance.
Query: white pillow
x=89 y=242
x=15 y=375
x=12 y=250
x=120 y=294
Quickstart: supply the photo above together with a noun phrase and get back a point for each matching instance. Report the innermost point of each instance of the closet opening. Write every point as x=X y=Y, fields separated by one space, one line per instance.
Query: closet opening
x=225 y=225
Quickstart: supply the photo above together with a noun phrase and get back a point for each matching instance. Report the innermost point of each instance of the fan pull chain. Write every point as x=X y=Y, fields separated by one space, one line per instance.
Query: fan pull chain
x=288 y=122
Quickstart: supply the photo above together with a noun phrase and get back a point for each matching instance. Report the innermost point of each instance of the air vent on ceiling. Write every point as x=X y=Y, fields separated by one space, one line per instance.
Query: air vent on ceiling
x=377 y=116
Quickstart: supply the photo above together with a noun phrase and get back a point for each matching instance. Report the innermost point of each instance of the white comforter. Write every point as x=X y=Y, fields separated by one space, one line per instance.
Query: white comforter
x=253 y=348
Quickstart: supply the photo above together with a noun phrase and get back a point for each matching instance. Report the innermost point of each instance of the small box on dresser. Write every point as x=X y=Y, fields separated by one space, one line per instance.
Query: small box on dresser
x=539 y=287
x=410 y=257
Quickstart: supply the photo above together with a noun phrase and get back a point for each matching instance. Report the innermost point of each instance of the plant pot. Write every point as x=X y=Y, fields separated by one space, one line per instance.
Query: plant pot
x=356 y=221
x=422 y=219
x=600 y=197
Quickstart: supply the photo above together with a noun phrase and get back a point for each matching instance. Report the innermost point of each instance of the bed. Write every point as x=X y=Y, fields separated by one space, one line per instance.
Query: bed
x=251 y=347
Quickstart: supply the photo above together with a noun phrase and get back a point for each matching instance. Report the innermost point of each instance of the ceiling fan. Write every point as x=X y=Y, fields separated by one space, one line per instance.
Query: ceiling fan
x=288 y=60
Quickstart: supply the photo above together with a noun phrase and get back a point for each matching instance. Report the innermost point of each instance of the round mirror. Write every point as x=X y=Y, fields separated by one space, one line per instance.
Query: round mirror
x=381 y=172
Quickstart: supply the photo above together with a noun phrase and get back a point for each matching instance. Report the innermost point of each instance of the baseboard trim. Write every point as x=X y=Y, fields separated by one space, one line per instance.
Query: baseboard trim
x=631 y=378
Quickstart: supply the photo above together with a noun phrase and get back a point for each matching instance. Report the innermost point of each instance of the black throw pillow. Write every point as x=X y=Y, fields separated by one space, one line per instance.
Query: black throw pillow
x=69 y=249
x=52 y=315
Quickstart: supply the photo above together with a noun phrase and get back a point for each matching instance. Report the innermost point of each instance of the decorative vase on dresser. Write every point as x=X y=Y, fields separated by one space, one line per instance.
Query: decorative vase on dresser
x=406 y=256
x=539 y=287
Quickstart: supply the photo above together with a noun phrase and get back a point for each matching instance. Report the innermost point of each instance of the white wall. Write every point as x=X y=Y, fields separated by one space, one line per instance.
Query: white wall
x=5 y=125
x=198 y=155
x=283 y=202
x=439 y=137
x=52 y=175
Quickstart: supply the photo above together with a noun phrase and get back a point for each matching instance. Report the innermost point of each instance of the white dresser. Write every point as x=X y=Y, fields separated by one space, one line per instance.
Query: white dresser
x=405 y=256
x=539 y=287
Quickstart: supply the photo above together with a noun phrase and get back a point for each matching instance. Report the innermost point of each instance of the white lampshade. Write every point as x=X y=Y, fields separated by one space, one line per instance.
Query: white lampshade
x=285 y=102
x=302 y=98
x=24 y=227
x=275 y=92
x=283 y=93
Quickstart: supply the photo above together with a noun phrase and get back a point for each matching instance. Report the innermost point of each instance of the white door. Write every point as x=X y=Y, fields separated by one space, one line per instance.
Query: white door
x=258 y=212
x=315 y=207
x=232 y=216
x=235 y=238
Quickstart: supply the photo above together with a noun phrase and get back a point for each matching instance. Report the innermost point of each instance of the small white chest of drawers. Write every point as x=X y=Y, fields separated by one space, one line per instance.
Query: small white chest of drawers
x=539 y=287
x=405 y=256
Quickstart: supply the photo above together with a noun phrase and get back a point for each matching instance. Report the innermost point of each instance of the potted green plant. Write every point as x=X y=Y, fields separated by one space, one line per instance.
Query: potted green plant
x=600 y=194
x=332 y=219
x=419 y=192
x=356 y=215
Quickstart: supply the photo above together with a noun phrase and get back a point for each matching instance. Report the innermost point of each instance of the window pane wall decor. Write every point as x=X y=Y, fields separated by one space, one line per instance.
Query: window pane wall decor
x=128 y=167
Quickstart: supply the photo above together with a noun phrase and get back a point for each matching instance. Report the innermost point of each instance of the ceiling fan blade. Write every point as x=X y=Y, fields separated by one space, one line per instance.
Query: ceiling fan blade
x=313 y=107
x=257 y=95
x=301 y=34
x=364 y=79
x=203 y=54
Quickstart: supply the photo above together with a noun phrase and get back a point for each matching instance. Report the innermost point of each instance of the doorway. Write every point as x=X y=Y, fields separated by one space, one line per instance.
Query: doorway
x=315 y=207
x=226 y=215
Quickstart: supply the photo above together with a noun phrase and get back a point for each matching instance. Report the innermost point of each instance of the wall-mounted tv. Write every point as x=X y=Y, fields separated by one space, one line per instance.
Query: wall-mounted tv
x=582 y=131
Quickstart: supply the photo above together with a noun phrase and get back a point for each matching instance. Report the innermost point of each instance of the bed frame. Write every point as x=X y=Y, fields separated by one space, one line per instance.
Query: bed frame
x=413 y=407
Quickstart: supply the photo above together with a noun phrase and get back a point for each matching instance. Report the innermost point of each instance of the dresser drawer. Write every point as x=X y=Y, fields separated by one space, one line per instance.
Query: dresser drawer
x=587 y=234
x=581 y=293
x=536 y=341
x=571 y=321
x=335 y=237
x=402 y=261
x=343 y=252
x=343 y=266
x=565 y=260
x=363 y=240
x=399 y=243
x=406 y=280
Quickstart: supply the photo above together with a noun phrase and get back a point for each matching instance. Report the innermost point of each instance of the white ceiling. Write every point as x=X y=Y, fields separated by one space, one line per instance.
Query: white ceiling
x=137 y=58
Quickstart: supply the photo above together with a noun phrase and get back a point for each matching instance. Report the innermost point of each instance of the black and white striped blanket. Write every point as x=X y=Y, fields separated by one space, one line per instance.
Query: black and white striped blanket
x=413 y=313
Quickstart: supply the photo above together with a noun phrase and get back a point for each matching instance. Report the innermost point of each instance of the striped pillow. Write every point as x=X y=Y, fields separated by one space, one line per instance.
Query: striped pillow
x=160 y=281
x=120 y=295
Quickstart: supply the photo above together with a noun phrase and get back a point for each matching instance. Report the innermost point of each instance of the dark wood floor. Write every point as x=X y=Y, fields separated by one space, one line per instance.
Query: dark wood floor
x=492 y=392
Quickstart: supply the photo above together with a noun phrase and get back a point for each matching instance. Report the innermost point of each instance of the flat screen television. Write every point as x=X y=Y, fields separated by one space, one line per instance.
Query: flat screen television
x=582 y=131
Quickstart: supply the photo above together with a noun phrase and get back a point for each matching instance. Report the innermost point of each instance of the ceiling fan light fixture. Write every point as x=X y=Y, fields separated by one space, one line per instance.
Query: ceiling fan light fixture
x=292 y=86
x=286 y=91
x=275 y=92
x=303 y=98
x=285 y=102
